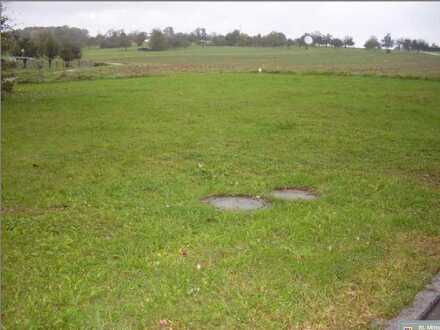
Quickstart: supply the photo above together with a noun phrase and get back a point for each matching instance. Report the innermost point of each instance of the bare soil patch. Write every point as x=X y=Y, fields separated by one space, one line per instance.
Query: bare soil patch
x=236 y=203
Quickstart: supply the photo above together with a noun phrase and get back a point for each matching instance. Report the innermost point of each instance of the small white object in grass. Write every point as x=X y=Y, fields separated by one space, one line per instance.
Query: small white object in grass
x=258 y=196
x=199 y=266
x=200 y=165
x=260 y=70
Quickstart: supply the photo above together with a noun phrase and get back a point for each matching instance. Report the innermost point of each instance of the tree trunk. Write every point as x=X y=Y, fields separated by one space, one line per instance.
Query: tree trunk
x=50 y=63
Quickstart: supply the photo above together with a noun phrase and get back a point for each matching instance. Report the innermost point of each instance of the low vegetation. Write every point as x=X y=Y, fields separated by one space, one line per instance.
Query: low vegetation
x=103 y=181
x=103 y=227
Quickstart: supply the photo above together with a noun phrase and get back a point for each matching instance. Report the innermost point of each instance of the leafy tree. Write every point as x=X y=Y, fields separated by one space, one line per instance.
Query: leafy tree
x=170 y=37
x=244 y=40
x=336 y=42
x=327 y=39
x=348 y=41
x=406 y=44
x=419 y=44
x=200 y=35
x=114 y=39
x=158 y=41
x=5 y=22
x=69 y=52
x=51 y=48
x=26 y=47
x=274 y=39
x=318 y=38
x=399 y=43
x=124 y=40
x=7 y=37
x=181 y=40
x=232 y=38
x=169 y=31
x=138 y=37
x=387 y=41
x=372 y=43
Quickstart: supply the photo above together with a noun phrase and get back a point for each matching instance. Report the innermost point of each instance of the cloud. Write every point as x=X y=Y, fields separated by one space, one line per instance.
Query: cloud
x=359 y=19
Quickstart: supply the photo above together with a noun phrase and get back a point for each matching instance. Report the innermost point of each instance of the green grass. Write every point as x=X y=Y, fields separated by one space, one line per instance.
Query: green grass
x=239 y=59
x=354 y=60
x=101 y=189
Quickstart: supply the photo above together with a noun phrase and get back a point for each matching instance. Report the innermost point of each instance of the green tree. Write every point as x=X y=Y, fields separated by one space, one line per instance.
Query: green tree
x=51 y=48
x=124 y=40
x=372 y=43
x=200 y=35
x=69 y=52
x=327 y=39
x=158 y=41
x=138 y=38
x=232 y=38
x=336 y=42
x=4 y=20
x=387 y=41
x=275 y=39
x=348 y=41
x=7 y=37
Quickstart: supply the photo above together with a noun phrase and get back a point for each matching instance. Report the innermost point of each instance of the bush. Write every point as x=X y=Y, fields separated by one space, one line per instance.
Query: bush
x=8 y=85
x=8 y=64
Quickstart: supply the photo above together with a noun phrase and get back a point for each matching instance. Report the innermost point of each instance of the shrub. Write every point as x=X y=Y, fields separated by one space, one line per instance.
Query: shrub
x=8 y=85
x=8 y=64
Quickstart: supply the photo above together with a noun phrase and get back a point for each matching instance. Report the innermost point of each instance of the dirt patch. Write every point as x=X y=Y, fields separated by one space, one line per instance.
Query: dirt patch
x=236 y=203
x=294 y=194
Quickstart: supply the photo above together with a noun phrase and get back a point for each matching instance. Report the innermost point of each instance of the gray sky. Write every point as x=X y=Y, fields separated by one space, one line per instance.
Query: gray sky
x=359 y=19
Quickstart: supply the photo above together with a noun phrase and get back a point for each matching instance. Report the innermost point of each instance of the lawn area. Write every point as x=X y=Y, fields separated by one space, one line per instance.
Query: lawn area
x=102 y=224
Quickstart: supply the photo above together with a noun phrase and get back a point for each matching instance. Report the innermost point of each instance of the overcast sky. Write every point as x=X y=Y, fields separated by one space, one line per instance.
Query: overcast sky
x=359 y=19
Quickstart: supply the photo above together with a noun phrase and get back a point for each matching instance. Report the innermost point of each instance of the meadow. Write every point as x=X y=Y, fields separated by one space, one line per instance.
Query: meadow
x=102 y=221
x=134 y=63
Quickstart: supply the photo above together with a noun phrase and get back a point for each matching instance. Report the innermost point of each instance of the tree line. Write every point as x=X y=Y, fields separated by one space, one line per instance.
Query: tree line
x=67 y=42
x=49 y=42
x=401 y=44
x=167 y=38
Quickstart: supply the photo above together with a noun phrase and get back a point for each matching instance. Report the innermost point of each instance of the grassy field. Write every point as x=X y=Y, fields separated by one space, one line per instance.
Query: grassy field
x=132 y=63
x=102 y=224
x=358 y=61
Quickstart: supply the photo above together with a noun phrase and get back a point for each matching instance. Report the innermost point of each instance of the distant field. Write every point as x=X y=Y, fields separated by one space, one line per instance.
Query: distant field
x=102 y=224
x=356 y=61
x=132 y=63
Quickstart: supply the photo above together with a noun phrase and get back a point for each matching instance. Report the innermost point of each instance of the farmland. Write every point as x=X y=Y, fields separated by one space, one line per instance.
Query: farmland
x=135 y=63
